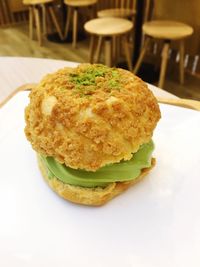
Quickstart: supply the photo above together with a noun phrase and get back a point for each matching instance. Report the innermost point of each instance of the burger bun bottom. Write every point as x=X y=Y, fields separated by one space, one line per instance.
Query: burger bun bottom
x=90 y=196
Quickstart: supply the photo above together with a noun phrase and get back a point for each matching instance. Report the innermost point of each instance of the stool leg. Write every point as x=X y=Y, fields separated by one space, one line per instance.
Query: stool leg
x=37 y=21
x=141 y=56
x=181 y=63
x=75 y=25
x=44 y=26
x=118 y=44
x=99 y=46
x=91 y=53
x=165 y=54
x=55 y=21
x=114 y=49
x=48 y=20
x=127 y=53
x=157 y=54
x=69 y=12
x=108 y=54
x=31 y=22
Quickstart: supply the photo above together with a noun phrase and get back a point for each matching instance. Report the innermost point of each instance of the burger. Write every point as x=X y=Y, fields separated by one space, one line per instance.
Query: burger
x=92 y=128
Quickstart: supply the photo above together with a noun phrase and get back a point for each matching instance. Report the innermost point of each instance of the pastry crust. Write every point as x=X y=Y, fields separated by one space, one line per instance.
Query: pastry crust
x=88 y=121
x=89 y=196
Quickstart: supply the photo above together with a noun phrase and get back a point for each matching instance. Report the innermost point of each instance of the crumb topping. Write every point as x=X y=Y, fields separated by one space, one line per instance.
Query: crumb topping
x=95 y=116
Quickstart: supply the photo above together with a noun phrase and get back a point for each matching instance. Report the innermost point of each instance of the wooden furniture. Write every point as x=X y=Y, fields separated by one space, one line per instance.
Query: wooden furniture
x=167 y=31
x=12 y=12
x=34 y=14
x=72 y=14
x=120 y=9
x=6 y=16
x=108 y=30
x=189 y=14
x=186 y=12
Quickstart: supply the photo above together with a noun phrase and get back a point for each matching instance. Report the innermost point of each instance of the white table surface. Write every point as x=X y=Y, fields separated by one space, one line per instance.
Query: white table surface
x=16 y=71
x=157 y=221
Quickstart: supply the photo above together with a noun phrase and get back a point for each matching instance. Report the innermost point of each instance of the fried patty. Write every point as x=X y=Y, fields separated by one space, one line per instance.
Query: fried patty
x=90 y=116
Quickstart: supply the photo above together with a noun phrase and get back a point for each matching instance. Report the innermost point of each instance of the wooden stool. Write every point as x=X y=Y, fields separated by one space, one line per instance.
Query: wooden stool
x=109 y=29
x=34 y=14
x=120 y=9
x=72 y=11
x=168 y=31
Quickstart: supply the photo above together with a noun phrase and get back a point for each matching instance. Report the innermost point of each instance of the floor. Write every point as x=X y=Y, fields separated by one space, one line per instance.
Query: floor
x=15 y=42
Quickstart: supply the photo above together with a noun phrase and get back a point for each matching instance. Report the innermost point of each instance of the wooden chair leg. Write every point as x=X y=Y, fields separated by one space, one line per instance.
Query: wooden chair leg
x=92 y=49
x=99 y=47
x=141 y=56
x=48 y=21
x=69 y=12
x=55 y=21
x=165 y=55
x=5 y=11
x=127 y=52
x=108 y=52
x=38 y=27
x=44 y=25
x=121 y=51
x=181 y=63
x=31 y=22
x=114 y=49
x=75 y=25
x=118 y=45
x=157 y=52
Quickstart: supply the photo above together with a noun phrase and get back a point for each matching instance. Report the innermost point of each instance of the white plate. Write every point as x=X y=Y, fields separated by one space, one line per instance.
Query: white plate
x=155 y=223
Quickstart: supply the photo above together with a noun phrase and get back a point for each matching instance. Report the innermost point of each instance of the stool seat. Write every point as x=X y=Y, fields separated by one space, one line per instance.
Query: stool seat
x=109 y=30
x=108 y=26
x=36 y=2
x=78 y=3
x=169 y=30
x=116 y=12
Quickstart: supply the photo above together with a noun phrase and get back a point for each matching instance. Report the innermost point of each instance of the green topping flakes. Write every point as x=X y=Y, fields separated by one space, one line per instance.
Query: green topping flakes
x=113 y=84
x=98 y=76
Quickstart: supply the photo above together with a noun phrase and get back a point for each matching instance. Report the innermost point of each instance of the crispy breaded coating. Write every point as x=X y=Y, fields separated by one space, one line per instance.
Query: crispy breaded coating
x=90 y=116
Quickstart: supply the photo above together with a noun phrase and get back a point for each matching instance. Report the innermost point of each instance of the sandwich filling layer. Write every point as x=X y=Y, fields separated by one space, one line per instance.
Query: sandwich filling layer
x=117 y=172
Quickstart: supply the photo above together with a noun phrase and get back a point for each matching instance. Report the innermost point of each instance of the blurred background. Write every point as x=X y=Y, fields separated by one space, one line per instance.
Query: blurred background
x=57 y=29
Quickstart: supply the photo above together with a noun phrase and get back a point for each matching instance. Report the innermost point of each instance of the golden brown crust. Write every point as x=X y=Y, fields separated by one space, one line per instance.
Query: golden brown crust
x=87 y=129
x=89 y=196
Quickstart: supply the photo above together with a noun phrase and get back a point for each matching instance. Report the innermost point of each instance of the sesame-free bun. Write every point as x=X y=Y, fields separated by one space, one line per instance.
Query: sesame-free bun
x=90 y=116
x=89 y=196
